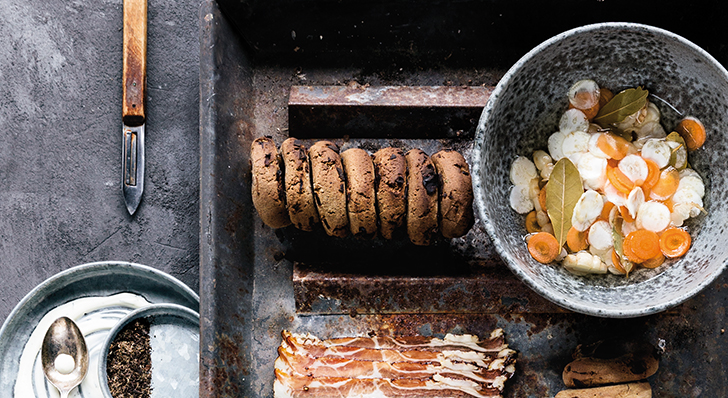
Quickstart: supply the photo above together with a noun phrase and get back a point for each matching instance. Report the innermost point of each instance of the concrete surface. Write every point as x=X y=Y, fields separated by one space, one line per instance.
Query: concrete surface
x=60 y=142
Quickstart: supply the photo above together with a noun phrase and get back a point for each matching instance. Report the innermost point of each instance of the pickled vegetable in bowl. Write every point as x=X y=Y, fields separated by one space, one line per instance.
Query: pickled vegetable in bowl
x=674 y=77
x=613 y=189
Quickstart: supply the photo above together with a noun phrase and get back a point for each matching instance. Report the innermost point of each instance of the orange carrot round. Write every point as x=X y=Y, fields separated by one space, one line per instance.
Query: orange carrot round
x=590 y=113
x=692 y=131
x=625 y=214
x=670 y=204
x=654 y=262
x=606 y=210
x=619 y=180
x=542 y=198
x=613 y=145
x=577 y=240
x=630 y=255
x=605 y=95
x=674 y=242
x=641 y=245
x=543 y=247
x=666 y=185
x=653 y=174
x=617 y=262
x=532 y=223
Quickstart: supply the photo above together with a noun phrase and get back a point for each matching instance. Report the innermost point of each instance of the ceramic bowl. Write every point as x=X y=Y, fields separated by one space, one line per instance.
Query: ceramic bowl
x=524 y=109
x=174 y=337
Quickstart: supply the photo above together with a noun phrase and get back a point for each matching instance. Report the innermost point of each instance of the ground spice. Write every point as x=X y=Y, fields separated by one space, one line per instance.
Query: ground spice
x=129 y=362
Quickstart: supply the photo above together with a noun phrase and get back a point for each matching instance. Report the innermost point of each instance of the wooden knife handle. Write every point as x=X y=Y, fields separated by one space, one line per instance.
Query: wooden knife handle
x=135 y=62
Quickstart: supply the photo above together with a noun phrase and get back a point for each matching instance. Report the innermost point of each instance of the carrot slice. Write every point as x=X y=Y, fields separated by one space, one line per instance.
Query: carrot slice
x=619 y=180
x=606 y=210
x=617 y=262
x=653 y=174
x=625 y=214
x=666 y=185
x=646 y=191
x=590 y=113
x=613 y=145
x=654 y=262
x=576 y=240
x=532 y=223
x=692 y=131
x=605 y=95
x=542 y=198
x=674 y=242
x=641 y=245
x=543 y=247
x=669 y=203
x=630 y=255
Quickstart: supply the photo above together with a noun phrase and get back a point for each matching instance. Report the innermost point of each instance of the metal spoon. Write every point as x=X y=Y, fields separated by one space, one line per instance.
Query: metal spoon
x=64 y=355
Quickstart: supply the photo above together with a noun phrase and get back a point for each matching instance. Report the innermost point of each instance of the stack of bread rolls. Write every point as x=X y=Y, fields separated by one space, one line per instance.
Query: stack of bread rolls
x=364 y=195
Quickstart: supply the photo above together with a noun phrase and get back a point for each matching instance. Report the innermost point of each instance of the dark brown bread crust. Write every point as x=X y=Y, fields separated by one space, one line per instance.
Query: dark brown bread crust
x=391 y=189
x=422 y=192
x=329 y=187
x=268 y=191
x=359 y=171
x=299 y=193
x=456 y=193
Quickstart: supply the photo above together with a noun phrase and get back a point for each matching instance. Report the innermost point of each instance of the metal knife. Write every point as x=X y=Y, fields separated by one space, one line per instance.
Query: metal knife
x=133 y=114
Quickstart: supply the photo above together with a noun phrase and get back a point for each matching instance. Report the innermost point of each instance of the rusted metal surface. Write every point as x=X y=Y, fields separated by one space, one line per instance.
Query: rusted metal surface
x=494 y=292
x=250 y=289
x=385 y=111
x=226 y=230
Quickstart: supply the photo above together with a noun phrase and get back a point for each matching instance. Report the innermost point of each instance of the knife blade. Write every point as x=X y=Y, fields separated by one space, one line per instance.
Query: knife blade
x=133 y=101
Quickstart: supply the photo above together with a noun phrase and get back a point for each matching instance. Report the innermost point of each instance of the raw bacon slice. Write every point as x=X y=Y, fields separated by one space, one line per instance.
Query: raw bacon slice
x=496 y=342
x=315 y=348
x=296 y=386
x=296 y=361
x=383 y=367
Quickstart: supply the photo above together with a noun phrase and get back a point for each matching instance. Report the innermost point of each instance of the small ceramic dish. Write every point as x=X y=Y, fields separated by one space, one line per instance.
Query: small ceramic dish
x=174 y=338
x=525 y=108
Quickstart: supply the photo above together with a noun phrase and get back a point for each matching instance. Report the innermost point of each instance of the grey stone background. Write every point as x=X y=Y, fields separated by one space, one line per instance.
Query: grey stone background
x=60 y=142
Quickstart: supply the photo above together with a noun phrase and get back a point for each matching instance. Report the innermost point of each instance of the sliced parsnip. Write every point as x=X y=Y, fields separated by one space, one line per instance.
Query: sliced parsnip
x=588 y=208
x=653 y=216
x=658 y=151
x=634 y=167
x=600 y=235
x=520 y=200
x=522 y=171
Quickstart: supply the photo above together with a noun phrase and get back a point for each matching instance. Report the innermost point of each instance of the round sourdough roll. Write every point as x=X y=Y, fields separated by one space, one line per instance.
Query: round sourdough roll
x=329 y=187
x=361 y=199
x=268 y=193
x=390 y=184
x=456 y=193
x=299 y=193
x=422 y=192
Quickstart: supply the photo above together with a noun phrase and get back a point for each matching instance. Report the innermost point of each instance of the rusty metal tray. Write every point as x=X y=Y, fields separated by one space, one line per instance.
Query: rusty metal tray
x=260 y=62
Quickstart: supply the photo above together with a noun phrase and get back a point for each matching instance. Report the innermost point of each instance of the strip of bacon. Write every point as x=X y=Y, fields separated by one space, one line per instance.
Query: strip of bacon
x=289 y=385
x=495 y=343
x=314 y=347
x=300 y=362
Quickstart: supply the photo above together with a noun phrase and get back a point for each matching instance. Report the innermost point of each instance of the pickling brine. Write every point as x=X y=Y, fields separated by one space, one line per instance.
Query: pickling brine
x=613 y=189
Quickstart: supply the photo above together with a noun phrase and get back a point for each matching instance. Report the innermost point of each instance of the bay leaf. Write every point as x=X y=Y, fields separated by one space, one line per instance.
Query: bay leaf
x=679 y=154
x=625 y=103
x=562 y=192
x=618 y=242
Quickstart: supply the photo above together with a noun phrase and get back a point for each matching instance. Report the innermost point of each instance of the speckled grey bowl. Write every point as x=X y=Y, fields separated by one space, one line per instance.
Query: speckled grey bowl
x=523 y=111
